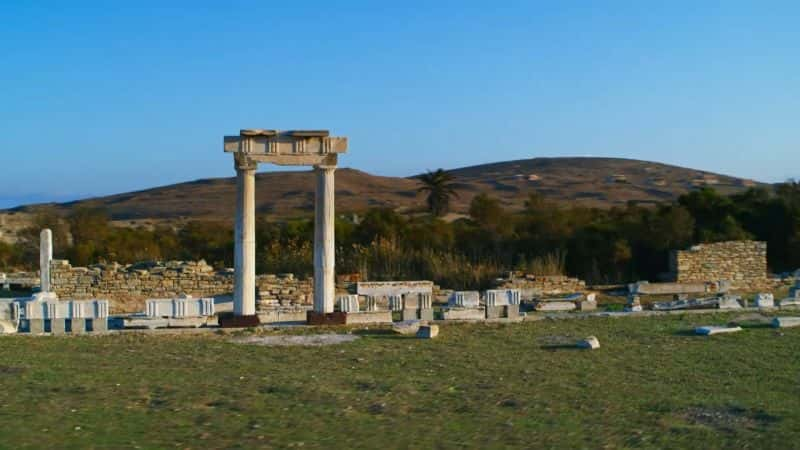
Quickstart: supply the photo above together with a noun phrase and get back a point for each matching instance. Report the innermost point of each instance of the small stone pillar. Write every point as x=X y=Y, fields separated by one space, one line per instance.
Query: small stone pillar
x=45 y=257
x=324 y=250
x=244 y=296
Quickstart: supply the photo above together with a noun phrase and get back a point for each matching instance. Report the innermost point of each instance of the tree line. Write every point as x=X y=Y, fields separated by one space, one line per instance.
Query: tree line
x=613 y=245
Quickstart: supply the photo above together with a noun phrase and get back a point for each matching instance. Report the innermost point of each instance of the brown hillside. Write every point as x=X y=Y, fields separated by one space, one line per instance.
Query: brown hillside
x=598 y=182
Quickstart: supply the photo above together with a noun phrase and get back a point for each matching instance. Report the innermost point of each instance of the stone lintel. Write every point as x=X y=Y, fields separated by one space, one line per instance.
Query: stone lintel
x=289 y=143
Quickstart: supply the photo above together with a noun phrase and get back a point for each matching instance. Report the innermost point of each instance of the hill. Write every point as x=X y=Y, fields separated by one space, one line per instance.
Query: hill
x=596 y=182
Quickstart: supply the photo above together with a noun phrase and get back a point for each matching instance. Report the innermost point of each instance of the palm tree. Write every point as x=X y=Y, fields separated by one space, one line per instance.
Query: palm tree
x=439 y=186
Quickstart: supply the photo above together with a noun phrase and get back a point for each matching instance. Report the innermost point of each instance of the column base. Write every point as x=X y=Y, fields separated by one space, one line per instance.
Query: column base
x=231 y=321
x=334 y=318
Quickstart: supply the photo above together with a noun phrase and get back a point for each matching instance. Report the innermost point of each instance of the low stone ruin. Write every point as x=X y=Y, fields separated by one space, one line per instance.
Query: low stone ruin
x=570 y=302
x=532 y=286
x=794 y=294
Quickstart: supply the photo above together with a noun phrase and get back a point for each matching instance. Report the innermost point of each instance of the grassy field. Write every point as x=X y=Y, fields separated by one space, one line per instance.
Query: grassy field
x=651 y=385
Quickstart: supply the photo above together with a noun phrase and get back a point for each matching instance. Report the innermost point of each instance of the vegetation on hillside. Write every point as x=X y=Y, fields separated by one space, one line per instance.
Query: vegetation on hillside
x=598 y=245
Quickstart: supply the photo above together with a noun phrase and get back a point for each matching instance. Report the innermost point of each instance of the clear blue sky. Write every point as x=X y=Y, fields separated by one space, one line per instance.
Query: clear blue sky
x=99 y=98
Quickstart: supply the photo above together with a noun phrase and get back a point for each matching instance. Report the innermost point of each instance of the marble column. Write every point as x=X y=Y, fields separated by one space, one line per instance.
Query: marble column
x=244 y=295
x=324 y=251
x=45 y=257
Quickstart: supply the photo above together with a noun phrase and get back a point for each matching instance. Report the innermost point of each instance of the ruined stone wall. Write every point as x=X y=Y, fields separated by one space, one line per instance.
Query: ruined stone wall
x=127 y=286
x=744 y=263
x=537 y=285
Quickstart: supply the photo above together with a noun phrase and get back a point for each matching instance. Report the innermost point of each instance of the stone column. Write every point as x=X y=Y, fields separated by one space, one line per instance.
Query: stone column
x=324 y=251
x=45 y=257
x=244 y=295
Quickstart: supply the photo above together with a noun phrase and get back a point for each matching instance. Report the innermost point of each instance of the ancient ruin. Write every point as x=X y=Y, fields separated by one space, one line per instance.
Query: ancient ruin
x=286 y=148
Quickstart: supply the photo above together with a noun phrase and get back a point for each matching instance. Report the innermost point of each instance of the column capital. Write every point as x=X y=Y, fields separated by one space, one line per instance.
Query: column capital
x=243 y=162
x=326 y=167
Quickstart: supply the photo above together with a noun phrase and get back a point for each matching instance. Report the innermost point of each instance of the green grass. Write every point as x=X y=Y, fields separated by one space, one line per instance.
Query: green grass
x=650 y=385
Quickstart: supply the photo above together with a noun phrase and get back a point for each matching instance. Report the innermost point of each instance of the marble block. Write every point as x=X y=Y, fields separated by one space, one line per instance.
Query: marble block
x=428 y=331
x=590 y=343
x=348 y=303
x=711 y=330
x=765 y=300
x=786 y=322
x=464 y=299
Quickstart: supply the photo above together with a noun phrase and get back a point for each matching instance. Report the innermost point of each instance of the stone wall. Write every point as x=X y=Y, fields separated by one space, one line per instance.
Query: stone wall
x=537 y=285
x=127 y=286
x=743 y=263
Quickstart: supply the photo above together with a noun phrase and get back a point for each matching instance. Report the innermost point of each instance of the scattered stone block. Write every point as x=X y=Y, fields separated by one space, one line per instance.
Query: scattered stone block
x=8 y=327
x=647 y=288
x=58 y=326
x=789 y=302
x=464 y=299
x=786 y=322
x=502 y=312
x=700 y=303
x=182 y=306
x=390 y=288
x=370 y=303
x=100 y=325
x=765 y=300
x=426 y=314
x=368 y=317
x=395 y=302
x=428 y=331
x=464 y=314
x=589 y=303
x=729 y=302
x=590 y=343
x=406 y=327
x=78 y=325
x=634 y=304
x=712 y=330
x=348 y=303
x=554 y=306
x=409 y=314
x=36 y=326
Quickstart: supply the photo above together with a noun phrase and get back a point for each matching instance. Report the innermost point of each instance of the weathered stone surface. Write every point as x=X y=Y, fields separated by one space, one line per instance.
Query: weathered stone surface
x=590 y=343
x=744 y=263
x=387 y=288
x=532 y=286
x=647 y=288
x=36 y=326
x=99 y=325
x=711 y=330
x=765 y=300
x=170 y=279
x=409 y=314
x=395 y=302
x=406 y=327
x=78 y=325
x=729 y=302
x=554 y=306
x=502 y=312
x=58 y=326
x=464 y=299
x=7 y=326
x=284 y=314
x=428 y=331
x=463 y=314
x=790 y=302
x=700 y=303
x=348 y=303
x=786 y=322
x=634 y=304
x=184 y=306
x=426 y=314
x=368 y=317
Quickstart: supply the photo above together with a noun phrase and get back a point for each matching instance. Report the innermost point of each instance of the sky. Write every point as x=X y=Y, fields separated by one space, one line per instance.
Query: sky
x=101 y=98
